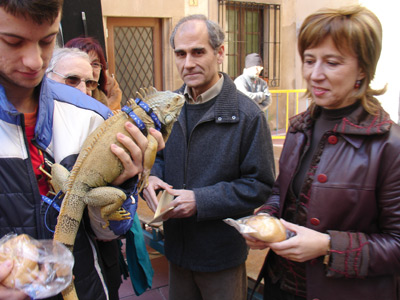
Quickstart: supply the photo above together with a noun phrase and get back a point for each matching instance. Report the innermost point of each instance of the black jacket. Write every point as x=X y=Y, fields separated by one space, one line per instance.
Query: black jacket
x=229 y=164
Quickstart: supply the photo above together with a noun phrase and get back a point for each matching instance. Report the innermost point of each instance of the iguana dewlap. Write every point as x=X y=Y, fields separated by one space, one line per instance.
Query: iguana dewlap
x=96 y=166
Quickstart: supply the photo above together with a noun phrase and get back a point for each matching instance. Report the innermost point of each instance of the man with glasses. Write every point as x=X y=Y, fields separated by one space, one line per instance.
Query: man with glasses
x=72 y=67
x=44 y=122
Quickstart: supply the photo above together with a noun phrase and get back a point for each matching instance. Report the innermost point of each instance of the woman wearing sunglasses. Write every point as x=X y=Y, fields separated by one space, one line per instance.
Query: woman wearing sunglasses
x=72 y=67
x=108 y=91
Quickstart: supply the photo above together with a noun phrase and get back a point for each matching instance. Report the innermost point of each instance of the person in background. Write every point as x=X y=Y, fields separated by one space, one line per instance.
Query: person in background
x=338 y=186
x=44 y=122
x=72 y=67
x=220 y=163
x=251 y=84
x=108 y=91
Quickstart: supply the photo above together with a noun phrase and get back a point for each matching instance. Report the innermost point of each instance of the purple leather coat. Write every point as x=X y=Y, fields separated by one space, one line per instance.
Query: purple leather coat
x=354 y=195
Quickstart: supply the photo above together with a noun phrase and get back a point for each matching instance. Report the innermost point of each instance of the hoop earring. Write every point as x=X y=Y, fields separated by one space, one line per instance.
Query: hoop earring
x=358 y=84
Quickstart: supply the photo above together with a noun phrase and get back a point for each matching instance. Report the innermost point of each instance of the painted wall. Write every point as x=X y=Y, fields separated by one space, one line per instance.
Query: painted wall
x=389 y=63
x=293 y=12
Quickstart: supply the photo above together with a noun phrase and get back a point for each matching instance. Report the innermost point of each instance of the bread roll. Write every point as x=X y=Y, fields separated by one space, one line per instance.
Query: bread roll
x=269 y=229
x=24 y=255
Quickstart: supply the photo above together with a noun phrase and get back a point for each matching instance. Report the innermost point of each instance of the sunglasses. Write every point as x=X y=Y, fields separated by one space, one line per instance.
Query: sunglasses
x=74 y=81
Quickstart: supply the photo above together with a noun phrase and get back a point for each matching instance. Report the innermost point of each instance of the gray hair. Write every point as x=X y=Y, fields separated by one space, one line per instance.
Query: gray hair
x=215 y=32
x=62 y=53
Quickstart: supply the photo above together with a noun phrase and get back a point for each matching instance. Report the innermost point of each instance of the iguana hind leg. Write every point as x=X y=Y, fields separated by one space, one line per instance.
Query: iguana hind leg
x=110 y=200
x=119 y=215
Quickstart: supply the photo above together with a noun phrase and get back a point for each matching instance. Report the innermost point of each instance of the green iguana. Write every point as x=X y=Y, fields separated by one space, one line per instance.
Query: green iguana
x=96 y=166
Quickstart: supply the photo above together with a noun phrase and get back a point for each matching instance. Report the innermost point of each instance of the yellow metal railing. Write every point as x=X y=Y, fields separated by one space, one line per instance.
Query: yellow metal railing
x=287 y=92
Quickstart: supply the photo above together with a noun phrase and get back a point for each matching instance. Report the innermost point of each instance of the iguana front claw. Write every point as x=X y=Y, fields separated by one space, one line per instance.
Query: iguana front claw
x=119 y=215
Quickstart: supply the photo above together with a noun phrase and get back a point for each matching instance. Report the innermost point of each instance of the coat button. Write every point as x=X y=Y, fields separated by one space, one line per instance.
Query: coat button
x=219 y=118
x=332 y=139
x=315 y=221
x=322 y=178
x=233 y=117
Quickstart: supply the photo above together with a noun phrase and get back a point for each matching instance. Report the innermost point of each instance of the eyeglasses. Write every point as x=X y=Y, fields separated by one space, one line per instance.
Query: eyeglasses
x=96 y=65
x=74 y=81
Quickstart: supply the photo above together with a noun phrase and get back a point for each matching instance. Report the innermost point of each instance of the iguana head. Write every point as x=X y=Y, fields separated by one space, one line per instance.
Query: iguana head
x=166 y=105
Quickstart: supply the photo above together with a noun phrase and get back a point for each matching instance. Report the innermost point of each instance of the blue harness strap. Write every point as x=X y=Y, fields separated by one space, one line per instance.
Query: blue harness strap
x=150 y=112
x=134 y=117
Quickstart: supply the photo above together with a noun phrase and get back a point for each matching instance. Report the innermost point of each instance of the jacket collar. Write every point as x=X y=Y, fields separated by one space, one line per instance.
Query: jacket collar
x=359 y=122
x=226 y=107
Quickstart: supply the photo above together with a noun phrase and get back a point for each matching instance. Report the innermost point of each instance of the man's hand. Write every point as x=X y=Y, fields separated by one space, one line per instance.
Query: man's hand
x=254 y=243
x=133 y=162
x=7 y=293
x=184 y=203
x=149 y=193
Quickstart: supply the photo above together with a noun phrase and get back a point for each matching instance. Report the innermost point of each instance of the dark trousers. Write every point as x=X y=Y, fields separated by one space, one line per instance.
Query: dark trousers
x=109 y=255
x=230 y=284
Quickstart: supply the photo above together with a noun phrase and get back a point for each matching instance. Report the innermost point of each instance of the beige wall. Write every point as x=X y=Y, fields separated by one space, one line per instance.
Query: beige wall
x=293 y=12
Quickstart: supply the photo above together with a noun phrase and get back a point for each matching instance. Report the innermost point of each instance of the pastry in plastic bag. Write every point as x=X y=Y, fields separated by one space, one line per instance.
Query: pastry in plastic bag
x=41 y=268
x=262 y=226
x=24 y=255
x=268 y=229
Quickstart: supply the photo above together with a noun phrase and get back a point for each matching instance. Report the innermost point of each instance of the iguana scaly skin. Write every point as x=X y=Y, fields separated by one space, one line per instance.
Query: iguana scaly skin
x=96 y=167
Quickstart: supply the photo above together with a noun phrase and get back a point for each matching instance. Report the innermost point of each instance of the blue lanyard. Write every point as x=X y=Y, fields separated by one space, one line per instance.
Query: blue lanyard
x=51 y=203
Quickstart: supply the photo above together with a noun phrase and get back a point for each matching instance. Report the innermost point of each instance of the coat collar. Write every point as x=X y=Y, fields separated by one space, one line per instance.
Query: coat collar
x=226 y=107
x=359 y=122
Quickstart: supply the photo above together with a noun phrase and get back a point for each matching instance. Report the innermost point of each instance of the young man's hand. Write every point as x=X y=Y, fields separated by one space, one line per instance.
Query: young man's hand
x=136 y=145
x=7 y=293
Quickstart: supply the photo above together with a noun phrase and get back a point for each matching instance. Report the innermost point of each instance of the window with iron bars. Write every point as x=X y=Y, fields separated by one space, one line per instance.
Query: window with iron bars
x=251 y=28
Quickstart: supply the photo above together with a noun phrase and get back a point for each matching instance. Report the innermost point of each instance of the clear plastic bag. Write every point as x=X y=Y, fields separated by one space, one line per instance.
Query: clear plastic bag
x=261 y=226
x=41 y=268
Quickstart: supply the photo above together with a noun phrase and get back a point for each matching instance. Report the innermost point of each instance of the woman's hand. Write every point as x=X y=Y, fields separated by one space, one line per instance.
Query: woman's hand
x=136 y=145
x=306 y=245
x=7 y=293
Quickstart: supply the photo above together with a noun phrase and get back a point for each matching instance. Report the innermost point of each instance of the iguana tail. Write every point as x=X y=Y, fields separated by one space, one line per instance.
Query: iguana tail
x=66 y=230
x=70 y=293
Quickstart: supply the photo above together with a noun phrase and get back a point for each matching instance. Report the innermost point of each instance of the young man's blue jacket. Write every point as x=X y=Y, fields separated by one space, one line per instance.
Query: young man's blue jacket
x=65 y=119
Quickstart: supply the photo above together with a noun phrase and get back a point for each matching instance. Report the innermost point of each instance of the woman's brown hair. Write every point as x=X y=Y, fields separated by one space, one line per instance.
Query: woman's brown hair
x=355 y=29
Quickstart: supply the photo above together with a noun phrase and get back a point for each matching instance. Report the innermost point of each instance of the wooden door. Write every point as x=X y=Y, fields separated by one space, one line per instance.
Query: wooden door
x=134 y=53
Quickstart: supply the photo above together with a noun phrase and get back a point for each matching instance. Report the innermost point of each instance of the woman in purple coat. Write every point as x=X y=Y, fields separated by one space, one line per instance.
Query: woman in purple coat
x=338 y=188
